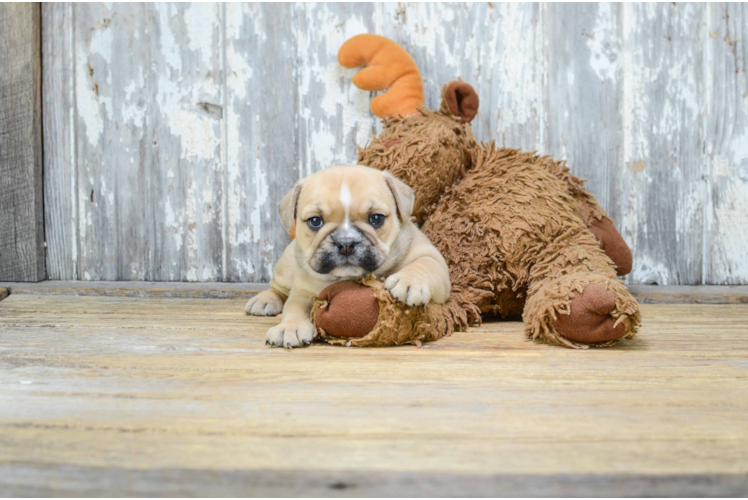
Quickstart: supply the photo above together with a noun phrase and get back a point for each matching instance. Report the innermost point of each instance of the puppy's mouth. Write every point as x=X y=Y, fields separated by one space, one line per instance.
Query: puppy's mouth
x=348 y=266
x=348 y=271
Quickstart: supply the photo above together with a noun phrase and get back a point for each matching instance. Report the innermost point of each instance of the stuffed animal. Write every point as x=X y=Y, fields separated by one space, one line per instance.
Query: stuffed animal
x=521 y=236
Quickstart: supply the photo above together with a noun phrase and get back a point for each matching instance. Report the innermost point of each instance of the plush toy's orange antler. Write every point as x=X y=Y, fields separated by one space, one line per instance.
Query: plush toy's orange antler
x=390 y=68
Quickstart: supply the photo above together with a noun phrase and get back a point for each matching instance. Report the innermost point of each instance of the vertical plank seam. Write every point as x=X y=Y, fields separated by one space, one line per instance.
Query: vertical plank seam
x=74 y=144
x=707 y=204
x=39 y=40
x=297 y=100
x=544 y=134
x=629 y=278
x=153 y=268
x=224 y=150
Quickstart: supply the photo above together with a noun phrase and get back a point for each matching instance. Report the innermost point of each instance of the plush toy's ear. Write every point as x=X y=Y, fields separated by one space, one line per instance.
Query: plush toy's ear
x=287 y=209
x=404 y=196
x=389 y=68
x=462 y=100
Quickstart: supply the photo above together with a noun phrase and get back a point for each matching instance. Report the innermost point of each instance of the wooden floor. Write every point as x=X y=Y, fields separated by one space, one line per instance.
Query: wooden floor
x=115 y=396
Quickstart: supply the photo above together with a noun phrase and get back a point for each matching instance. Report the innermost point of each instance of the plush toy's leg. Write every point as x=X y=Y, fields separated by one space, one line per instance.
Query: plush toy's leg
x=575 y=300
x=610 y=240
x=593 y=216
x=613 y=245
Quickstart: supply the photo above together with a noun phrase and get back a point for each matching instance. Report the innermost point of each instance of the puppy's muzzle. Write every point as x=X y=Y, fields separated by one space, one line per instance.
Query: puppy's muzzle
x=346 y=246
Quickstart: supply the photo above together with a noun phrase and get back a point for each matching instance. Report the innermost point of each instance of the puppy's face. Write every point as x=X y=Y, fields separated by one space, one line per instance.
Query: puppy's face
x=347 y=220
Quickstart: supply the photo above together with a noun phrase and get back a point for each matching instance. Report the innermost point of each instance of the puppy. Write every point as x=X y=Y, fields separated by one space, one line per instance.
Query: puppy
x=347 y=221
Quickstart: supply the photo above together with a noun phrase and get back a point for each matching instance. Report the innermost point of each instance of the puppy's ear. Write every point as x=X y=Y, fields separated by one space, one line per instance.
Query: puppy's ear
x=287 y=209
x=404 y=196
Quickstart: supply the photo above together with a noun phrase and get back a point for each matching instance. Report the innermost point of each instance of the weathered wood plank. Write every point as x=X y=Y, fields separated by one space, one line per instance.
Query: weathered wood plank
x=148 y=388
x=111 y=61
x=584 y=93
x=261 y=136
x=60 y=179
x=21 y=192
x=726 y=144
x=149 y=93
x=3 y=293
x=188 y=167
x=41 y=480
x=480 y=43
x=661 y=190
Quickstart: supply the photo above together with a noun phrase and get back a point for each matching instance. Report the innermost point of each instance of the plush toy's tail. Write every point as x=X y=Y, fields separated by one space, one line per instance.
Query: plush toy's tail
x=390 y=68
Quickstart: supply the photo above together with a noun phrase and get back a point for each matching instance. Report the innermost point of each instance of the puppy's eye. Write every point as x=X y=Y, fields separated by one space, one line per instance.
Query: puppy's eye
x=314 y=223
x=376 y=220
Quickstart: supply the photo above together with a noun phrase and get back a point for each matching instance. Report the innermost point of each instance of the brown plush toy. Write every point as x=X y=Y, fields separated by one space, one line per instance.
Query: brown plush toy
x=521 y=236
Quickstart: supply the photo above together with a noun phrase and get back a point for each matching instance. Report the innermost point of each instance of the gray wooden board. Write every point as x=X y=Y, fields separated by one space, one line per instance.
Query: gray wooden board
x=584 y=93
x=167 y=157
x=21 y=209
x=726 y=144
x=31 y=480
x=60 y=179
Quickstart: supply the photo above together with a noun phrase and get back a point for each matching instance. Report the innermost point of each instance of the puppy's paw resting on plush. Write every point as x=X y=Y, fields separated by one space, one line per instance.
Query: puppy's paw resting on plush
x=408 y=289
x=291 y=334
x=266 y=303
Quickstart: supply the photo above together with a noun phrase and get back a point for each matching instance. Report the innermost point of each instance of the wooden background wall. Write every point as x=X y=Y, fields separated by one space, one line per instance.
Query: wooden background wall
x=171 y=131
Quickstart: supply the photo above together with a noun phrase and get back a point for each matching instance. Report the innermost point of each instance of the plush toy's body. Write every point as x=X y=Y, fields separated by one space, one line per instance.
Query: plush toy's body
x=521 y=236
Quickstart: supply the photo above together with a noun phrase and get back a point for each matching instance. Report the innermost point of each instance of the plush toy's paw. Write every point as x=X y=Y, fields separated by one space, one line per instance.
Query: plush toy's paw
x=291 y=334
x=350 y=311
x=407 y=289
x=580 y=309
x=589 y=320
x=266 y=303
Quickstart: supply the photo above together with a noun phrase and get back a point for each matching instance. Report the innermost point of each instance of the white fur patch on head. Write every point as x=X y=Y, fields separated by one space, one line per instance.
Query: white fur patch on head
x=346 y=200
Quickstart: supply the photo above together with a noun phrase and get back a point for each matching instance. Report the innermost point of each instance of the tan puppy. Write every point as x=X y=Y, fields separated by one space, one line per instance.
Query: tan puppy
x=349 y=221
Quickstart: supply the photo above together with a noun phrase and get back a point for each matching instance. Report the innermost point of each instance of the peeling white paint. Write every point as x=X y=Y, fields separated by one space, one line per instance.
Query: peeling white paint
x=649 y=272
x=92 y=106
x=604 y=56
x=731 y=216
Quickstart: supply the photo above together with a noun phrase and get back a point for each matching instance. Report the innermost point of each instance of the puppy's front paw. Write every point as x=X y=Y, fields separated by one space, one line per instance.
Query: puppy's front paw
x=408 y=289
x=291 y=334
x=266 y=303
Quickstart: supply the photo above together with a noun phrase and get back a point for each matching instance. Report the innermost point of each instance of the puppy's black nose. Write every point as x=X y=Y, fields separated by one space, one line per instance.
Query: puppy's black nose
x=346 y=246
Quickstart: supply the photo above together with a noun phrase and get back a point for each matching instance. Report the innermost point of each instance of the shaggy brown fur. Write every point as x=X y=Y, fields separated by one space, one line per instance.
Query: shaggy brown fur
x=513 y=227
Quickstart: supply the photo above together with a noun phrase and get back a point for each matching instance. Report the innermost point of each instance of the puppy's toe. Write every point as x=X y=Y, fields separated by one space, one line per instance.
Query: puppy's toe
x=305 y=333
x=264 y=304
x=290 y=335
x=418 y=295
x=407 y=291
x=275 y=335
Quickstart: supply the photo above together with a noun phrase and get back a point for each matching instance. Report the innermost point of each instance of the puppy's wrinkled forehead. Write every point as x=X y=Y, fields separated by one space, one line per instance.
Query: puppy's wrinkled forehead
x=345 y=192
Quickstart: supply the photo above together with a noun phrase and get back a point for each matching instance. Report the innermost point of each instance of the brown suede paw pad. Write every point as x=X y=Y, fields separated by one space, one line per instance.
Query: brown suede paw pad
x=589 y=320
x=351 y=310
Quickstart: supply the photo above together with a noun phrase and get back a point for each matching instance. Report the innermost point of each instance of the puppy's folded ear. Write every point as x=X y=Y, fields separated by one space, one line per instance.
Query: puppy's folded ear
x=287 y=209
x=404 y=196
